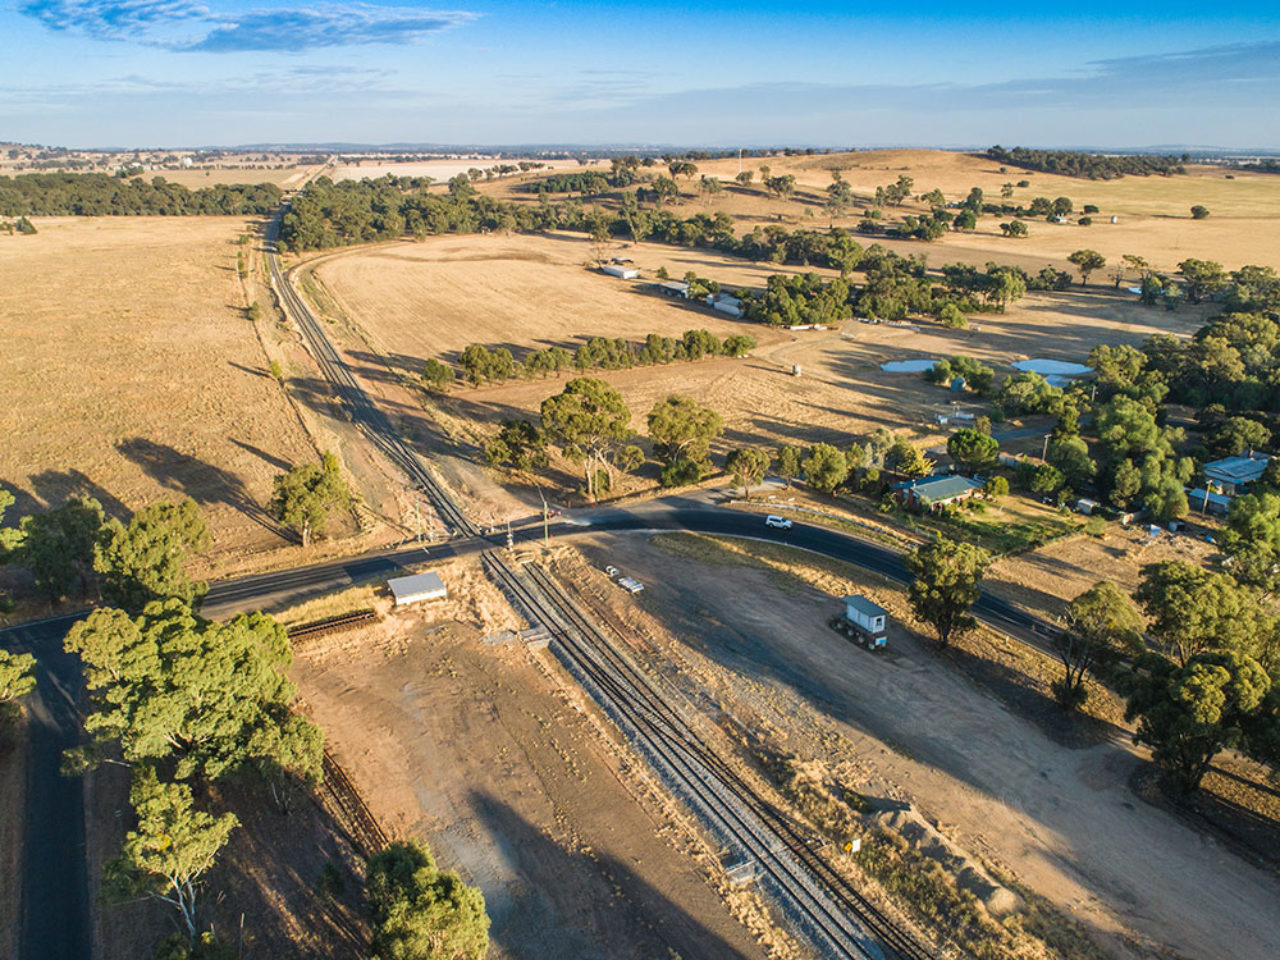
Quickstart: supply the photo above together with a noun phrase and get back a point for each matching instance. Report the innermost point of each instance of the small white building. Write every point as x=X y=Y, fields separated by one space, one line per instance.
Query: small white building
x=417 y=588
x=725 y=304
x=865 y=615
x=620 y=270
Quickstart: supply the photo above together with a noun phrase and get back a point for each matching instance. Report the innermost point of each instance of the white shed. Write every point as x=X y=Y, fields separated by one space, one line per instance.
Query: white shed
x=417 y=588
x=862 y=613
x=618 y=270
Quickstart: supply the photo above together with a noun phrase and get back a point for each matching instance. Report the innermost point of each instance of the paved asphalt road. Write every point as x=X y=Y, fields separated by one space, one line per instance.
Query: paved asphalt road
x=55 y=896
x=55 y=921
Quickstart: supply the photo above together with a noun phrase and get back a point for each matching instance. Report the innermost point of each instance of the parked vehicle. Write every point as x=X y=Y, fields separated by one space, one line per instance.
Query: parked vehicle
x=773 y=520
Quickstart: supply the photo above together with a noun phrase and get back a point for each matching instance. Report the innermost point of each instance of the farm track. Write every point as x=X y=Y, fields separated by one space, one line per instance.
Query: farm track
x=832 y=912
x=365 y=414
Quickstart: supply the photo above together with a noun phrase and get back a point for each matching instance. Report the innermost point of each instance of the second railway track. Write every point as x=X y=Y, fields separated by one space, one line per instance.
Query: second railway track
x=840 y=920
x=364 y=412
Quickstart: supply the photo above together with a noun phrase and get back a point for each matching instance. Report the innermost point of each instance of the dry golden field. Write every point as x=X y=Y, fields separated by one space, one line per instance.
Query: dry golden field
x=131 y=373
x=442 y=169
x=415 y=301
x=287 y=178
x=1154 y=212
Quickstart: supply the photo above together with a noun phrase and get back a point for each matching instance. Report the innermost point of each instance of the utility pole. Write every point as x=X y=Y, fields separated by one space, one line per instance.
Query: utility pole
x=510 y=541
x=546 y=522
x=1044 y=455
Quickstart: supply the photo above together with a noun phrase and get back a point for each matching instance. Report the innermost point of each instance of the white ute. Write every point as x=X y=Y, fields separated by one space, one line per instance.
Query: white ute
x=782 y=523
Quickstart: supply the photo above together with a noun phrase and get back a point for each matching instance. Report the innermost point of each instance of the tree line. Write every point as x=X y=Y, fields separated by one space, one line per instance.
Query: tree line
x=99 y=194
x=1093 y=166
x=480 y=365
x=1197 y=657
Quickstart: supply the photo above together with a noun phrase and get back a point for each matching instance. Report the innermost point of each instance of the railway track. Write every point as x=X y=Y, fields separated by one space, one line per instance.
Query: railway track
x=309 y=631
x=841 y=921
x=365 y=831
x=365 y=414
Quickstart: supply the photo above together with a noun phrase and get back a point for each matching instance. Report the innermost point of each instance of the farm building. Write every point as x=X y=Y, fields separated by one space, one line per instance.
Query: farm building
x=417 y=588
x=725 y=304
x=673 y=288
x=1207 y=501
x=1234 y=474
x=620 y=270
x=871 y=617
x=929 y=493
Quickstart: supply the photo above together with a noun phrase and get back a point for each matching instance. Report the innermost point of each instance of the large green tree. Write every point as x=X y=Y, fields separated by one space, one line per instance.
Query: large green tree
x=825 y=468
x=212 y=697
x=146 y=560
x=57 y=546
x=304 y=497
x=948 y=576
x=682 y=429
x=1087 y=261
x=420 y=912
x=17 y=679
x=747 y=466
x=1188 y=713
x=1102 y=623
x=972 y=450
x=170 y=850
x=1193 y=610
x=589 y=418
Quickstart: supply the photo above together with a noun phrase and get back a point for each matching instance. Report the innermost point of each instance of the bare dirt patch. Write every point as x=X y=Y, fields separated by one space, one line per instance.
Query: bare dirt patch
x=134 y=375
x=909 y=727
x=492 y=754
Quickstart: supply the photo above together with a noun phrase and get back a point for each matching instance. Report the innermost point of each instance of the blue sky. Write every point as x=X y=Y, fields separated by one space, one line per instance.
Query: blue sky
x=718 y=73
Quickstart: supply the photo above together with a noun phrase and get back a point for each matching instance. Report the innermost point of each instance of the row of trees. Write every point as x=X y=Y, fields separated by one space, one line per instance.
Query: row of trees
x=480 y=365
x=73 y=548
x=1094 y=166
x=98 y=194
x=1197 y=658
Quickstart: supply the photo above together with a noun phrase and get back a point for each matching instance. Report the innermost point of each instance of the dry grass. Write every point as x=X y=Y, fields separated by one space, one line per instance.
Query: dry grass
x=442 y=169
x=414 y=301
x=132 y=373
x=1154 y=212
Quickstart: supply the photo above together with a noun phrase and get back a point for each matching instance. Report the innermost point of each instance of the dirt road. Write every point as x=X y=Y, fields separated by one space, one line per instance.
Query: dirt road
x=910 y=727
x=488 y=752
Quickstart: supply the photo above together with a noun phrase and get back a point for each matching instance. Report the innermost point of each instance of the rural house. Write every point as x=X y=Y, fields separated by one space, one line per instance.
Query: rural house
x=1234 y=474
x=929 y=493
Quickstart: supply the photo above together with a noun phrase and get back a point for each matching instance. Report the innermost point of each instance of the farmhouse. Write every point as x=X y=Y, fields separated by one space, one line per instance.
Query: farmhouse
x=1234 y=474
x=929 y=493
x=417 y=588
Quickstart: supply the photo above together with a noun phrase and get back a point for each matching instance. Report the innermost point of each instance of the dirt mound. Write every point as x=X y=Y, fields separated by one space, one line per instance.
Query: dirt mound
x=970 y=875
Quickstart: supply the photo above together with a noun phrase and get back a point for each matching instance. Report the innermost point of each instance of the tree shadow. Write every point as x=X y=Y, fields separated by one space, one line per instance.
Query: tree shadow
x=276 y=462
x=252 y=370
x=544 y=916
x=191 y=477
x=50 y=488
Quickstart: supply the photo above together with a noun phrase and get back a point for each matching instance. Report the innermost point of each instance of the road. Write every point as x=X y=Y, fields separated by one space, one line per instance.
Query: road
x=54 y=919
x=55 y=909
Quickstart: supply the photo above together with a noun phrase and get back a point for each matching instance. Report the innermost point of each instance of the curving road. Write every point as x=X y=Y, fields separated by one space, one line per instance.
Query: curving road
x=55 y=909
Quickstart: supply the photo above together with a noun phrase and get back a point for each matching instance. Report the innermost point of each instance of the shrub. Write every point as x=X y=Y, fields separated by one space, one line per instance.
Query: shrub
x=1199 y=213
